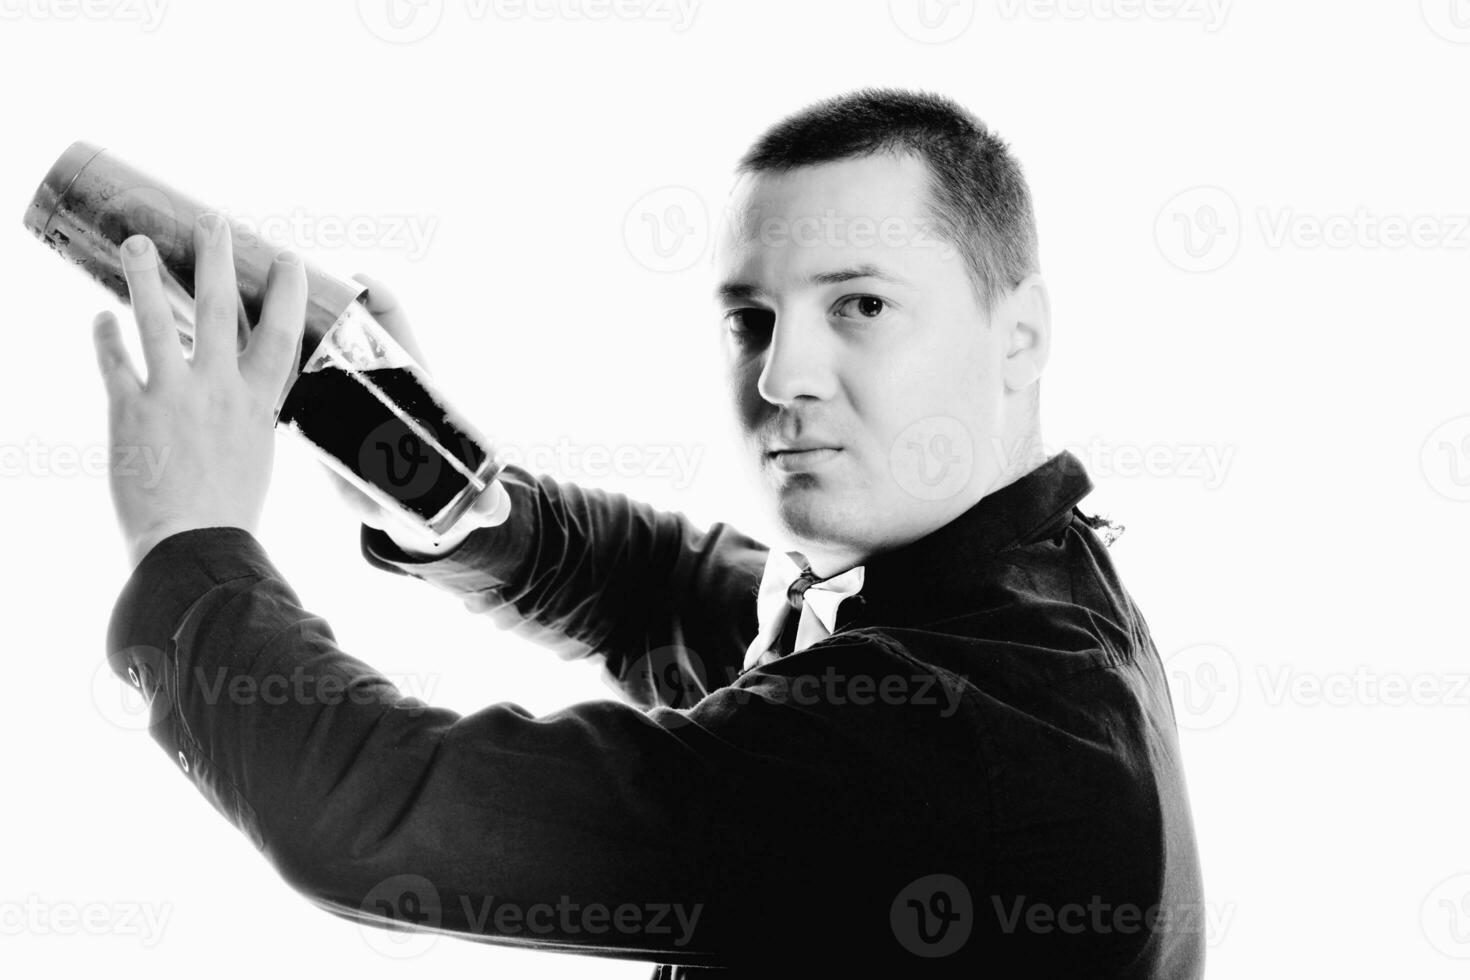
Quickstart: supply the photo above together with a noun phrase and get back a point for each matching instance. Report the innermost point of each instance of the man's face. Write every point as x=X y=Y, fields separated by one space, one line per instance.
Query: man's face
x=852 y=325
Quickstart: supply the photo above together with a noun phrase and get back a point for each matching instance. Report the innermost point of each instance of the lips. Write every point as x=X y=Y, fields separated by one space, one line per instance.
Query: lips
x=798 y=448
x=803 y=460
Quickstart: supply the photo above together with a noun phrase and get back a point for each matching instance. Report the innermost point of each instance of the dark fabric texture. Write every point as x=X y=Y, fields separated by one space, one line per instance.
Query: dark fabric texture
x=976 y=774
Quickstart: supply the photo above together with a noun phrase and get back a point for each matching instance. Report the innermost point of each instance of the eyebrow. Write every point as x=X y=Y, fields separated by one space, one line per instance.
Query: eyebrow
x=736 y=291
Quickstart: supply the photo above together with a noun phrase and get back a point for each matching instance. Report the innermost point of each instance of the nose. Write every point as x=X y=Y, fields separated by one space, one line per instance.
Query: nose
x=798 y=360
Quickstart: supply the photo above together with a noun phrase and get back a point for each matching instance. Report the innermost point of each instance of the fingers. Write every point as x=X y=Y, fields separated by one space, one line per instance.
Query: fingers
x=118 y=374
x=385 y=308
x=274 y=348
x=160 y=337
x=216 y=295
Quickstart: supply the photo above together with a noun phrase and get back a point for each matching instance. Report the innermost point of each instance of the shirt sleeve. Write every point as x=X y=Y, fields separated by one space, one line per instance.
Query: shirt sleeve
x=696 y=836
x=589 y=573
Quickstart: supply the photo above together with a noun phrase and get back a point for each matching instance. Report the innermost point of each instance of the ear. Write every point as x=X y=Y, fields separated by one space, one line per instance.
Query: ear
x=1027 y=318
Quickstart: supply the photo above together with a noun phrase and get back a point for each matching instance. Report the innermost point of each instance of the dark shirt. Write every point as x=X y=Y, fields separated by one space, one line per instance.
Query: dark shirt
x=976 y=774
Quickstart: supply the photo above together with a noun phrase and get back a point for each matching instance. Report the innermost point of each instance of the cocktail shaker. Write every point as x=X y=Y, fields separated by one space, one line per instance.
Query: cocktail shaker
x=355 y=395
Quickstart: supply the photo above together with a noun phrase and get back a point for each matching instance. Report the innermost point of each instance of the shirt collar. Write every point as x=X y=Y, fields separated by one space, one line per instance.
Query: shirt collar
x=824 y=596
x=821 y=599
x=938 y=572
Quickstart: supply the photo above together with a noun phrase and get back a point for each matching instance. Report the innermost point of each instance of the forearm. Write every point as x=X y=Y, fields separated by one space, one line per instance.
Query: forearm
x=592 y=573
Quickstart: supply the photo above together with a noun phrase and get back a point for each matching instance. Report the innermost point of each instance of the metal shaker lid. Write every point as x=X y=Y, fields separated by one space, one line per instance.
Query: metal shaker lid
x=57 y=182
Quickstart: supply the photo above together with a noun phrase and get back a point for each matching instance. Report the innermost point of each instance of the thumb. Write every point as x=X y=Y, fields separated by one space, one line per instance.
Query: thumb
x=491 y=508
x=118 y=375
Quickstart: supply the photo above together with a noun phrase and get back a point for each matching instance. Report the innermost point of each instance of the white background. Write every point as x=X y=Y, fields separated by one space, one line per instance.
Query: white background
x=1306 y=589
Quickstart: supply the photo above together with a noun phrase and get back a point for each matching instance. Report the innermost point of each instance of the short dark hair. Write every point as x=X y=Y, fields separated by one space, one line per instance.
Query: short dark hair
x=979 y=196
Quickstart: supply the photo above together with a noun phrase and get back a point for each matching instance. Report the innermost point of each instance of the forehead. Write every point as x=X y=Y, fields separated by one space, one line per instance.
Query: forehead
x=875 y=185
x=833 y=207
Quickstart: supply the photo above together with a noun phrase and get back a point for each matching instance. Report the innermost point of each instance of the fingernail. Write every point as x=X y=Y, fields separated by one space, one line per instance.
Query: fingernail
x=136 y=245
x=209 y=221
x=288 y=258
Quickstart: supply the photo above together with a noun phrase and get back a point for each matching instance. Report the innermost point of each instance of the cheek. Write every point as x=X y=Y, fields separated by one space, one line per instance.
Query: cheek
x=938 y=402
x=948 y=378
x=741 y=379
x=966 y=373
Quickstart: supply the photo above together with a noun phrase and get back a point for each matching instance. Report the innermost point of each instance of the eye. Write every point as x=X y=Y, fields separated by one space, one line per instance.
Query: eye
x=866 y=307
x=751 y=323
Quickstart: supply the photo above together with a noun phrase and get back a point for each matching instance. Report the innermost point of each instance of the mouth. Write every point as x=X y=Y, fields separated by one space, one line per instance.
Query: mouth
x=805 y=458
x=799 y=450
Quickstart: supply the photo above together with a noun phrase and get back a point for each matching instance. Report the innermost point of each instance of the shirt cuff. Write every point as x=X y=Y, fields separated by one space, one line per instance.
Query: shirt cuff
x=174 y=578
x=173 y=575
x=487 y=558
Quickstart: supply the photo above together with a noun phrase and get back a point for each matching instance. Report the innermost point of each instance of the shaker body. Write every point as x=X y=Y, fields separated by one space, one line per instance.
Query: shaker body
x=413 y=454
x=374 y=415
x=91 y=201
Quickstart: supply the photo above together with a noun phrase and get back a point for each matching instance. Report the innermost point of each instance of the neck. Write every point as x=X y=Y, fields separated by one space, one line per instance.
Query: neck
x=826 y=564
x=1017 y=456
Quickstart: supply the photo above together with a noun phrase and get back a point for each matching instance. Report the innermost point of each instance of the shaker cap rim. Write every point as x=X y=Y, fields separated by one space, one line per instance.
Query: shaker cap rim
x=55 y=185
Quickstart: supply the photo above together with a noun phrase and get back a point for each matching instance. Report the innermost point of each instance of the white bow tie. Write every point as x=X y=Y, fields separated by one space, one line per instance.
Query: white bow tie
x=819 y=602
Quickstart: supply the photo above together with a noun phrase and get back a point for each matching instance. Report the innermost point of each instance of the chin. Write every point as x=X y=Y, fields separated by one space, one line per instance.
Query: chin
x=808 y=512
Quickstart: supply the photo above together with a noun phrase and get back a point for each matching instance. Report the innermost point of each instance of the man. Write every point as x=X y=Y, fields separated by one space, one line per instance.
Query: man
x=928 y=733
